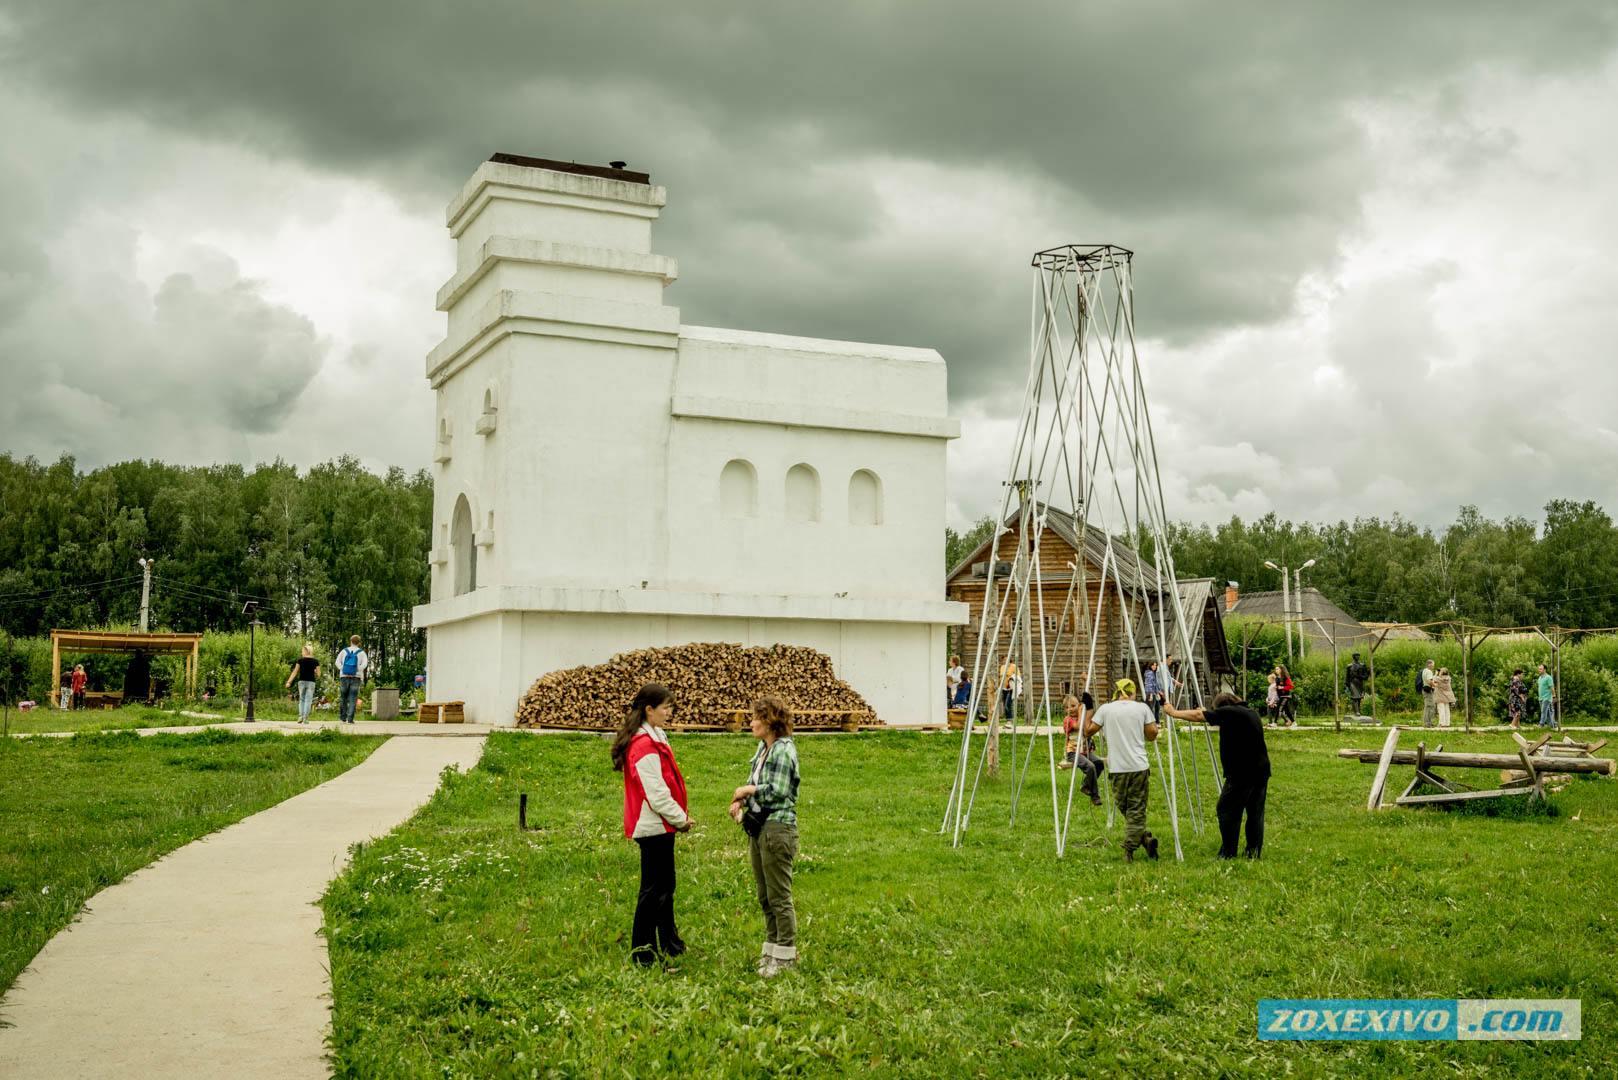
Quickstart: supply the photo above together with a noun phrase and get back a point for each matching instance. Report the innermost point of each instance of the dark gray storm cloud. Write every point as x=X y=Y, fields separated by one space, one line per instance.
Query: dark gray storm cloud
x=1216 y=139
x=1360 y=228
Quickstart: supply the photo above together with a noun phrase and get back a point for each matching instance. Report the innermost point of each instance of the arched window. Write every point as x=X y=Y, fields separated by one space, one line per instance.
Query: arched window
x=803 y=493
x=465 y=550
x=864 y=498
x=738 y=489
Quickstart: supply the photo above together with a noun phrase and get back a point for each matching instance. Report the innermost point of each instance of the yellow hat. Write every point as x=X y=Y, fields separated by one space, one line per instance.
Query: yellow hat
x=1126 y=688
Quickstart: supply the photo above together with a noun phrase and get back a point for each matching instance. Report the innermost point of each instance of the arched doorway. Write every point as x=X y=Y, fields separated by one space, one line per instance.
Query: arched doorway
x=464 y=547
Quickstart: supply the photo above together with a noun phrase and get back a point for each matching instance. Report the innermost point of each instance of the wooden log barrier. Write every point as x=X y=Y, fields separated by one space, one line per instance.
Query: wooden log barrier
x=1598 y=766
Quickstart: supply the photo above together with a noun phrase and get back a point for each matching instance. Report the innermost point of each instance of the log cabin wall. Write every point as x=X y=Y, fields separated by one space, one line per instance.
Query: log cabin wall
x=1073 y=652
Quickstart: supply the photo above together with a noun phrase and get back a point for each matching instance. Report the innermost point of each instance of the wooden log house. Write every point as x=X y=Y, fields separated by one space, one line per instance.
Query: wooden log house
x=1059 y=546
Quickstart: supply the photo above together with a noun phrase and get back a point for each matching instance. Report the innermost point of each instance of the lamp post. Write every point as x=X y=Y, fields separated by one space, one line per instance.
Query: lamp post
x=250 y=608
x=1286 y=604
x=1297 y=598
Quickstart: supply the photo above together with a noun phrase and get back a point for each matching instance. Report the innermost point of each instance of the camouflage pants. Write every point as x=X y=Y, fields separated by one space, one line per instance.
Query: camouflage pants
x=1129 y=793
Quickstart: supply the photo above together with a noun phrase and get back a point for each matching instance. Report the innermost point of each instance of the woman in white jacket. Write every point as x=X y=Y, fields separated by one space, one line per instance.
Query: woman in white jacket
x=654 y=810
x=1443 y=695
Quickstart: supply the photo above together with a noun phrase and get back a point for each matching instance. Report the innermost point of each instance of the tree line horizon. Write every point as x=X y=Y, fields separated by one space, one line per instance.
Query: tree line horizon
x=337 y=549
x=1506 y=573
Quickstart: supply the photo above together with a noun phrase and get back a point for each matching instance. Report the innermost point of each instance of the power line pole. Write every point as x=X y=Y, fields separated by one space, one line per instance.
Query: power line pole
x=145 y=592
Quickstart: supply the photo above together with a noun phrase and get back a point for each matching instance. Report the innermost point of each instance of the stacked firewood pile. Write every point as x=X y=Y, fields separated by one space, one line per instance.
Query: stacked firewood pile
x=711 y=683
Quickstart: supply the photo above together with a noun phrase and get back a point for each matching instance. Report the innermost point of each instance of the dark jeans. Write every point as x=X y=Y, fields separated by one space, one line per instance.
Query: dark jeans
x=1092 y=766
x=654 y=930
x=78 y=699
x=1130 y=791
x=1240 y=795
x=349 y=696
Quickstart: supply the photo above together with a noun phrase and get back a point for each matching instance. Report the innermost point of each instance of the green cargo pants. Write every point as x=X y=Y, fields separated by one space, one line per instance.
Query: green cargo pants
x=772 y=852
x=1129 y=792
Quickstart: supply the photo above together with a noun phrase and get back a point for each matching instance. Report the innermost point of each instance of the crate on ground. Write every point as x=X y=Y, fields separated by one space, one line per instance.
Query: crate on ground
x=428 y=714
x=452 y=712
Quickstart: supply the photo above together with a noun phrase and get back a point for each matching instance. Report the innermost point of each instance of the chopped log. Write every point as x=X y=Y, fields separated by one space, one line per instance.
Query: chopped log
x=1455 y=797
x=714 y=687
x=1383 y=761
x=1600 y=766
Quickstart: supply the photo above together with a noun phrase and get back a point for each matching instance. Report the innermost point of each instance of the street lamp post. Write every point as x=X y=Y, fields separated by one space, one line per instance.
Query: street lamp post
x=1297 y=598
x=1286 y=604
x=250 y=608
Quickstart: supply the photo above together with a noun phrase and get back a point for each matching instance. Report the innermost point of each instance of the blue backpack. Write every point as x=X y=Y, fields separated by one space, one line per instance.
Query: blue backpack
x=351 y=662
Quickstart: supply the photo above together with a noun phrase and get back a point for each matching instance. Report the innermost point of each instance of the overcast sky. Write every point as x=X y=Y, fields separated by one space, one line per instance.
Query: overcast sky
x=1376 y=243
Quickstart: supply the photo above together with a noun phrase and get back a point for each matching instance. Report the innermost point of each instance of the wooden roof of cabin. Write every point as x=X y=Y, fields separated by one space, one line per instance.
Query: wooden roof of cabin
x=122 y=641
x=1130 y=568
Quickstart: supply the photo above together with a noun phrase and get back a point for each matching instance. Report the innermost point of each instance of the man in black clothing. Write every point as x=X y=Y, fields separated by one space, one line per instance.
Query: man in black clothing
x=1246 y=765
x=1354 y=680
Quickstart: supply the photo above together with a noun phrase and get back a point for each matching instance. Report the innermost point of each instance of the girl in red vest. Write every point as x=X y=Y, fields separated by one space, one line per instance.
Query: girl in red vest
x=654 y=810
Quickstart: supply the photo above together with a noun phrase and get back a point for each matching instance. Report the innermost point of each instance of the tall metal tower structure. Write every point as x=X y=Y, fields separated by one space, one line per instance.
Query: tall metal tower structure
x=1084 y=457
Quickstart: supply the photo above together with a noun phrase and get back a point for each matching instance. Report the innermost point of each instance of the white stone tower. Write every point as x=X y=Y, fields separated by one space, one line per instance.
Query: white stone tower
x=607 y=479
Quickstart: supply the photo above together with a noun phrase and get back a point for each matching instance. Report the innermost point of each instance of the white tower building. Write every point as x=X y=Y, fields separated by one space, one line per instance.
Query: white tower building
x=608 y=479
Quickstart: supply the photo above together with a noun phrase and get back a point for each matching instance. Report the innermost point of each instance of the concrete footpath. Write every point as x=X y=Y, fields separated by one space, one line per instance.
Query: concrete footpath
x=209 y=962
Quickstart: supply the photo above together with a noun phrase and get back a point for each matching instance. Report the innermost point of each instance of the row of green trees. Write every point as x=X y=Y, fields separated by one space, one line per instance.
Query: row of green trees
x=323 y=554
x=1511 y=572
x=1588 y=687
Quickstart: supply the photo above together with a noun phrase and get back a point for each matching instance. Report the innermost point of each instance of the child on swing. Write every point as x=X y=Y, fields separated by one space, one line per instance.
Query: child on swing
x=1081 y=751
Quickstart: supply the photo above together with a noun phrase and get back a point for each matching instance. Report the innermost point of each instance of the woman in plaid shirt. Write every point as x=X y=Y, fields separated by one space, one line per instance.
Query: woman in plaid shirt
x=773 y=791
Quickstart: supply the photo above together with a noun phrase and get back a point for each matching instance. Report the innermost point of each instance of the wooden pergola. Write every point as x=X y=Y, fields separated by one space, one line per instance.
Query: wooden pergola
x=131 y=642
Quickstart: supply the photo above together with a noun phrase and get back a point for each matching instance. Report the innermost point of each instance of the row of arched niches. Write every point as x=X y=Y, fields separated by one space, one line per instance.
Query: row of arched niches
x=738 y=493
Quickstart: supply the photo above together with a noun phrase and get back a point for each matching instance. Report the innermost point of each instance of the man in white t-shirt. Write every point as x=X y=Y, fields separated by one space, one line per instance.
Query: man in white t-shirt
x=351 y=664
x=1128 y=726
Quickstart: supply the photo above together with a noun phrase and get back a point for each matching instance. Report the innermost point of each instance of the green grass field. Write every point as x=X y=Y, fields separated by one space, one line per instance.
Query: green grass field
x=461 y=947
x=82 y=813
x=134 y=717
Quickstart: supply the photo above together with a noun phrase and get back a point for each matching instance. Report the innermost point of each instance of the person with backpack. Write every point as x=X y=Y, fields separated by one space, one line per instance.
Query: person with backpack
x=351 y=665
x=1424 y=683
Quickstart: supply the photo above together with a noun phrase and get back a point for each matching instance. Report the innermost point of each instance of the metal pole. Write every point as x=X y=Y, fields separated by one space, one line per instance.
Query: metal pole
x=1297 y=600
x=1286 y=612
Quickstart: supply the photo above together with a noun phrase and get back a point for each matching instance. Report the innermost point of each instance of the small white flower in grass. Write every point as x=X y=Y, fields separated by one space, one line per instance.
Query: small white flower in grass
x=45 y=890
